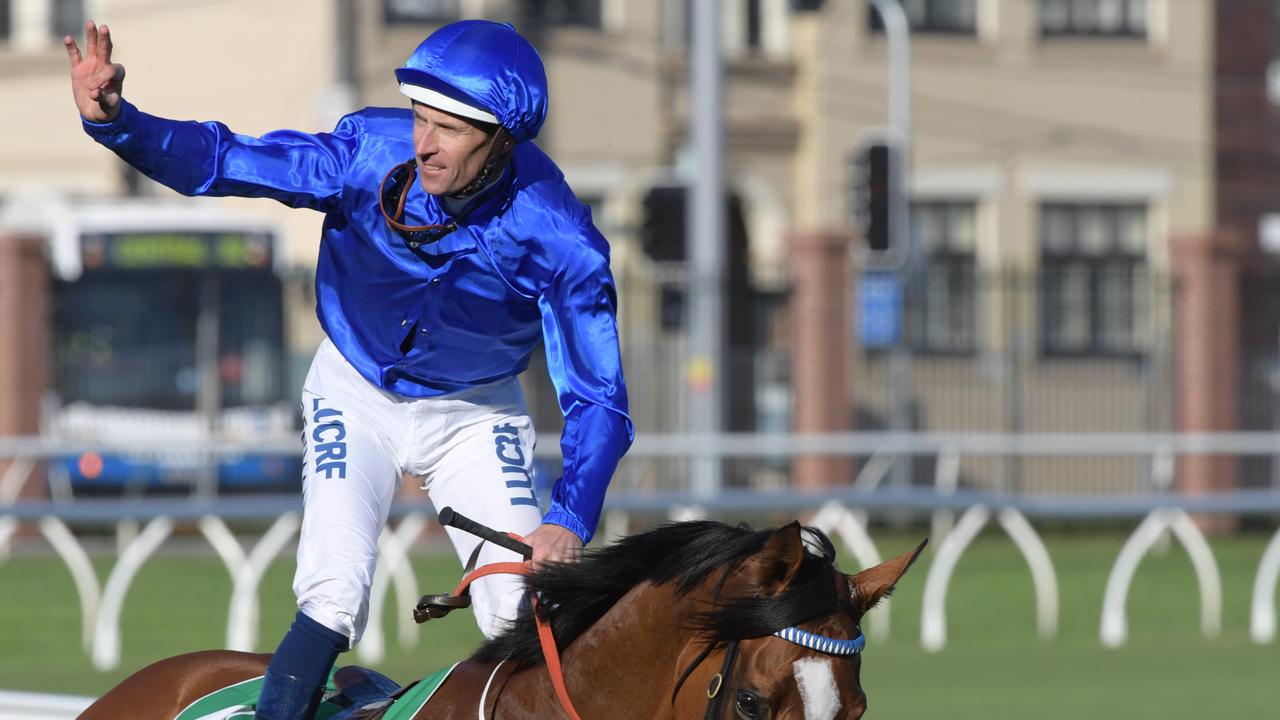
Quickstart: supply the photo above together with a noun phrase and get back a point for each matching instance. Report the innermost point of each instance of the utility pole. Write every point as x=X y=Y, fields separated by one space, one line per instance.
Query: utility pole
x=903 y=257
x=705 y=233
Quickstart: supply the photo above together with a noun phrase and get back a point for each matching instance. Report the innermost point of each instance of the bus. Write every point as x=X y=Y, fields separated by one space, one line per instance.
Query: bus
x=167 y=327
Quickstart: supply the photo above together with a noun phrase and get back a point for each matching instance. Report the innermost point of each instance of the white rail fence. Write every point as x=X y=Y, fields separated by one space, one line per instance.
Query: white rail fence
x=841 y=512
x=101 y=606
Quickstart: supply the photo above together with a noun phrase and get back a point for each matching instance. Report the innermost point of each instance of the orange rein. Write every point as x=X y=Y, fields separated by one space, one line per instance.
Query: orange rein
x=550 y=653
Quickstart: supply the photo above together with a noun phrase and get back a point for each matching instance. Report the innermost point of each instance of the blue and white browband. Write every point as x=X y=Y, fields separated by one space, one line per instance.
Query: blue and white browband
x=821 y=643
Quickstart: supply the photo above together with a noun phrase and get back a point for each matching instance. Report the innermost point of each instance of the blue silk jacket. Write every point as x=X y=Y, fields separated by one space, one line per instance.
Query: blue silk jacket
x=526 y=263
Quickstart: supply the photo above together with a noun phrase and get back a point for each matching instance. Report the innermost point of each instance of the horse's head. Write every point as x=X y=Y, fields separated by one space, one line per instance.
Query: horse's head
x=805 y=669
x=760 y=624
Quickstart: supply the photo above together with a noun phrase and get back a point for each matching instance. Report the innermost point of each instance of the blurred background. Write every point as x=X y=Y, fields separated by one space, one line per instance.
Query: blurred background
x=999 y=272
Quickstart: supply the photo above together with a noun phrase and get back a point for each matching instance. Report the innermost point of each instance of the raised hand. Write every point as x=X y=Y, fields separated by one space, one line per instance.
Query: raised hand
x=95 y=81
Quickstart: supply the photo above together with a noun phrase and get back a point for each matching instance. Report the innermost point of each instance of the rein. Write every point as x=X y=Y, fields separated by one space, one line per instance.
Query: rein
x=550 y=652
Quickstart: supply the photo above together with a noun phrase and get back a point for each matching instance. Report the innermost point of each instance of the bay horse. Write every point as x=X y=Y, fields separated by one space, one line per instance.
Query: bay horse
x=687 y=620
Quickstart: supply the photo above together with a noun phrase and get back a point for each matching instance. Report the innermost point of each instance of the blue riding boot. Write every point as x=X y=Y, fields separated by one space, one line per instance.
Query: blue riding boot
x=285 y=697
x=295 y=679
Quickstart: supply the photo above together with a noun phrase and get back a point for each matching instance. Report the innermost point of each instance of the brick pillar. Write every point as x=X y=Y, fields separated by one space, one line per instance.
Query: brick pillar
x=1207 y=363
x=820 y=327
x=24 y=341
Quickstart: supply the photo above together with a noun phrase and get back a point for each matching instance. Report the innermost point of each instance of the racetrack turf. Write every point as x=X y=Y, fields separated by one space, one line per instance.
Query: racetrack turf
x=994 y=667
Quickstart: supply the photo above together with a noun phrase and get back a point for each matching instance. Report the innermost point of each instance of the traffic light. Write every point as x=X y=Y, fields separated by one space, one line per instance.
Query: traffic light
x=872 y=189
x=662 y=226
x=663 y=237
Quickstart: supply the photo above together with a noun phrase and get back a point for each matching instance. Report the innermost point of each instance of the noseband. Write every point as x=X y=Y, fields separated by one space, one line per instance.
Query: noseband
x=803 y=638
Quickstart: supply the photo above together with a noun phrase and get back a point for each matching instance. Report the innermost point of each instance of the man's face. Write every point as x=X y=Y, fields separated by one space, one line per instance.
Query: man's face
x=450 y=150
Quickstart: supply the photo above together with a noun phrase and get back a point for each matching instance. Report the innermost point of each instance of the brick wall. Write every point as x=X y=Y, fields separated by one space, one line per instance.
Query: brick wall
x=24 y=339
x=820 y=330
x=1208 y=350
x=1246 y=148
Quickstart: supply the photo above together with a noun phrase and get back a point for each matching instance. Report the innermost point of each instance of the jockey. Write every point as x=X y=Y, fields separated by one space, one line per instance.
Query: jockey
x=451 y=246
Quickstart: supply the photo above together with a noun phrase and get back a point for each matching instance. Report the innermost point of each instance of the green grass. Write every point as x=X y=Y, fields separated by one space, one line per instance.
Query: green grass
x=179 y=604
x=993 y=667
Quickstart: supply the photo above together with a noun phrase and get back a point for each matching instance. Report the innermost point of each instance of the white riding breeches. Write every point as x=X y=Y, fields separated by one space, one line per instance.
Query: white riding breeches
x=472 y=450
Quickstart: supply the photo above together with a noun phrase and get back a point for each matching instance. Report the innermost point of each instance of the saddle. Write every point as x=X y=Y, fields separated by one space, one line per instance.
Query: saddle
x=352 y=693
x=363 y=694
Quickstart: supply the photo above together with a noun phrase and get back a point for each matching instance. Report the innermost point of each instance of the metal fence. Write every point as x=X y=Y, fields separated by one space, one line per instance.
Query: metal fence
x=986 y=352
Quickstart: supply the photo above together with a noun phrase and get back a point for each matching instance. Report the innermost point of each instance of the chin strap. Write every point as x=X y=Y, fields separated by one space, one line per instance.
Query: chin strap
x=499 y=152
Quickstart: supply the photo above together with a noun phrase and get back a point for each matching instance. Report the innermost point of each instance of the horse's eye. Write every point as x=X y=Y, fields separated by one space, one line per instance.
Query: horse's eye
x=749 y=706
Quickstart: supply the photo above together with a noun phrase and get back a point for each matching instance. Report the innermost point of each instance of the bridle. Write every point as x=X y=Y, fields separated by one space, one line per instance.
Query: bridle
x=793 y=634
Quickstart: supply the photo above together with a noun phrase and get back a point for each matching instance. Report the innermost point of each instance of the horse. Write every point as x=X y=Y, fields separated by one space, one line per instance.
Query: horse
x=690 y=619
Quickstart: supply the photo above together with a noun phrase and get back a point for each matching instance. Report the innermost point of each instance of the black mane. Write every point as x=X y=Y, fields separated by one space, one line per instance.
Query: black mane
x=575 y=595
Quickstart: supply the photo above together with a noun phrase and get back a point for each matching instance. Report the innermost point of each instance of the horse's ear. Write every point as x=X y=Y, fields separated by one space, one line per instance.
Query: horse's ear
x=773 y=568
x=876 y=583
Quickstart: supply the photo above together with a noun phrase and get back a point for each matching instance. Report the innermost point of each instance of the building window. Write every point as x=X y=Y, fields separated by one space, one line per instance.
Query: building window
x=560 y=13
x=747 y=27
x=1093 y=279
x=940 y=312
x=6 y=26
x=1093 y=18
x=958 y=17
x=758 y=27
x=753 y=25
x=67 y=18
x=420 y=11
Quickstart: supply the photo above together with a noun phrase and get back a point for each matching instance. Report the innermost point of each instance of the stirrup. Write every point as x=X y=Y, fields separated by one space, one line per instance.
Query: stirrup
x=431 y=607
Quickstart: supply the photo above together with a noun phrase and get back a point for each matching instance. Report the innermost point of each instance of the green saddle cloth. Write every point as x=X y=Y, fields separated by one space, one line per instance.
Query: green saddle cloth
x=237 y=702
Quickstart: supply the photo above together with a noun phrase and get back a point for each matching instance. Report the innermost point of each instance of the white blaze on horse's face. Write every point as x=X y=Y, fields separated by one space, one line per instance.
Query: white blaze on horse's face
x=818 y=689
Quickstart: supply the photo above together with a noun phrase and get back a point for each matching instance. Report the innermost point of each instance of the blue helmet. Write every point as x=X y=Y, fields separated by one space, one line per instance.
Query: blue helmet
x=481 y=70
